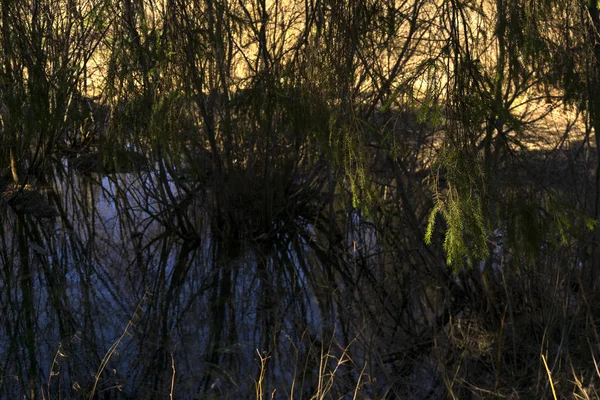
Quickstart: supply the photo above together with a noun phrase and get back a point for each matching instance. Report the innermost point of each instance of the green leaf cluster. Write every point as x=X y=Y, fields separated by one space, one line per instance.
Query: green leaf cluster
x=459 y=201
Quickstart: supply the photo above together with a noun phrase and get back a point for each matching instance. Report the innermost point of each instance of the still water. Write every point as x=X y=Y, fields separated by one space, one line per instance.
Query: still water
x=125 y=285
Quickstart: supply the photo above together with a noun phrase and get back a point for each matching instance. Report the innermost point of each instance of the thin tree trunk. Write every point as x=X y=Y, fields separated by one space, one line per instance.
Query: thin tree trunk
x=9 y=98
x=594 y=109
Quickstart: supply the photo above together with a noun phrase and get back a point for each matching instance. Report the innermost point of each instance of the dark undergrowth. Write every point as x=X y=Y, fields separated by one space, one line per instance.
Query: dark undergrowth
x=314 y=200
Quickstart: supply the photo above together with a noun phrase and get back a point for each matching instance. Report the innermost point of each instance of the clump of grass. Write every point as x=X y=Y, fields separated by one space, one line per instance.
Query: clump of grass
x=326 y=373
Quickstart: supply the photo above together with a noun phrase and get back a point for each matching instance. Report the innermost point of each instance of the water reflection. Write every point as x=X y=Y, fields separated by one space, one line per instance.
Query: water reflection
x=130 y=277
x=172 y=280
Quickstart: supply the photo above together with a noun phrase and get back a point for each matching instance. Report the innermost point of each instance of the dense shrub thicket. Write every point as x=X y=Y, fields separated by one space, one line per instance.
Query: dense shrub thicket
x=389 y=199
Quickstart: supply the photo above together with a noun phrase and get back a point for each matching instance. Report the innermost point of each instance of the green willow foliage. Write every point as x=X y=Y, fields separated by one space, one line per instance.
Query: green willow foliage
x=246 y=80
x=338 y=159
x=536 y=47
x=461 y=205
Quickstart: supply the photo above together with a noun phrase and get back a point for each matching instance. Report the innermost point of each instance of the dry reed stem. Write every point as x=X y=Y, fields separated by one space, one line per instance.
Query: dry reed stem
x=172 y=376
x=324 y=387
x=54 y=363
x=579 y=383
x=113 y=348
x=549 y=377
x=259 y=392
x=356 y=388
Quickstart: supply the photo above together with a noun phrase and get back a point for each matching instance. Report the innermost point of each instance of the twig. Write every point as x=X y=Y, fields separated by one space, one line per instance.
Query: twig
x=113 y=348
x=549 y=377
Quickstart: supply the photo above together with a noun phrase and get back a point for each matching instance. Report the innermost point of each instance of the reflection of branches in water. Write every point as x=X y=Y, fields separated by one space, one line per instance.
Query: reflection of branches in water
x=271 y=268
x=218 y=297
x=265 y=256
x=111 y=351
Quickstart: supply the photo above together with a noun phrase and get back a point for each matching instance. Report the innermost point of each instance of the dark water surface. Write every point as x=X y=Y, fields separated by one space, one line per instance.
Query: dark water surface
x=124 y=285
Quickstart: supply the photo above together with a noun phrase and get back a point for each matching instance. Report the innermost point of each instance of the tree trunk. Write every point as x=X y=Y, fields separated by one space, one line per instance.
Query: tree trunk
x=594 y=110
